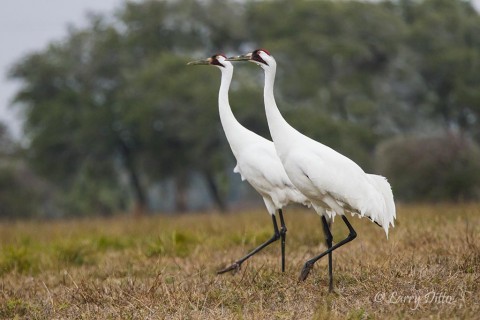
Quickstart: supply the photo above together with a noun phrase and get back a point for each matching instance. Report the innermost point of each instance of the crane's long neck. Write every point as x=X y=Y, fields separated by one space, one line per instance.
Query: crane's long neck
x=281 y=132
x=234 y=131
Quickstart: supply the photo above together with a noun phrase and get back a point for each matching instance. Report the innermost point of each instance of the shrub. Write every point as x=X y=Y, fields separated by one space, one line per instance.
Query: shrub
x=436 y=167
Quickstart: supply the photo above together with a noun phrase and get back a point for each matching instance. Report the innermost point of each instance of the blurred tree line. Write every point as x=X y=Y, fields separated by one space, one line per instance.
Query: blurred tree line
x=115 y=121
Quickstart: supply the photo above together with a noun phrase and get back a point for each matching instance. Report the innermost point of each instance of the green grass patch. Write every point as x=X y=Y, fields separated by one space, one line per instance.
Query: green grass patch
x=105 y=243
x=14 y=309
x=18 y=258
x=76 y=253
x=176 y=243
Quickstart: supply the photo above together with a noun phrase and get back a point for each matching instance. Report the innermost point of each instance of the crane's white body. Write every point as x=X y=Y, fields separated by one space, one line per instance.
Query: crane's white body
x=257 y=160
x=332 y=182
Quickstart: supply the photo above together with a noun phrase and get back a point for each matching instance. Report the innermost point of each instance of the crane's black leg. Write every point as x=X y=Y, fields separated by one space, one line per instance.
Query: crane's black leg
x=283 y=235
x=309 y=264
x=329 y=241
x=236 y=265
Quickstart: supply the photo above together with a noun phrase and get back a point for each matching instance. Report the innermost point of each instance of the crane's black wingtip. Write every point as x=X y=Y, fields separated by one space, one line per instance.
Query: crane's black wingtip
x=378 y=224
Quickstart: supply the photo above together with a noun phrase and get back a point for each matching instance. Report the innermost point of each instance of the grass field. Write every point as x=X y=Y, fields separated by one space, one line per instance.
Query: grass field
x=164 y=268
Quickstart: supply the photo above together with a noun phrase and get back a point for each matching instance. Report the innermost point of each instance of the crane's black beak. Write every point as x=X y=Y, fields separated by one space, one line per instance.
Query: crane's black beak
x=199 y=62
x=245 y=57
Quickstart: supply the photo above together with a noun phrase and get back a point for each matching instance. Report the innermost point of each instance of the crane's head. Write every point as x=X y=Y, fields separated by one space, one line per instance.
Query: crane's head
x=218 y=60
x=260 y=57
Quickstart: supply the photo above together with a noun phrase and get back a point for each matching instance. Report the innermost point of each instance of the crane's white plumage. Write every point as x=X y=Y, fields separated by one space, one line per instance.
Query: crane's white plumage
x=332 y=182
x=261 y=167
x=257 y=160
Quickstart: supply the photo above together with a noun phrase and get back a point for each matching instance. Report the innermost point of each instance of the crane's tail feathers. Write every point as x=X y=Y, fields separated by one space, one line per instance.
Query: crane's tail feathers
x=387 y=215
x=378 y=206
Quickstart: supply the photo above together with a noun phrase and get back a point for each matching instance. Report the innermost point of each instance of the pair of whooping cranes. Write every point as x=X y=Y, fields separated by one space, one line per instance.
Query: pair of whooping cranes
x=296 y=169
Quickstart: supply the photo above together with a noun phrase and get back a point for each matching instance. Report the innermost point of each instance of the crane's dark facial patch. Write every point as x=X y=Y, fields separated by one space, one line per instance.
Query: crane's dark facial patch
x=214 y=60
x=256 y=56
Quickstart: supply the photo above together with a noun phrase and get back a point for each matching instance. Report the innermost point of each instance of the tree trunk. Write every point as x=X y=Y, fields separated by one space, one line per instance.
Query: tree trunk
x=140 y=202
x=213 y=188
x=181 y=186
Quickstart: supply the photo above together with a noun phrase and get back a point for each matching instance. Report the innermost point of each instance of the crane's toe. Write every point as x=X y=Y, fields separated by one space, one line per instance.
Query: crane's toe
x=235 y=267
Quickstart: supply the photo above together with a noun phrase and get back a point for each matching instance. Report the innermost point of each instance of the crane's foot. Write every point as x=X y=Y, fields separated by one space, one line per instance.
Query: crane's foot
x=330 y=287
x=235 y=267
x=305 y=271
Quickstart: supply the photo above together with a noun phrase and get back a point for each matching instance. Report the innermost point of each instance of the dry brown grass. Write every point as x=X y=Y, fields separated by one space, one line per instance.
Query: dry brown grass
x=164 y=268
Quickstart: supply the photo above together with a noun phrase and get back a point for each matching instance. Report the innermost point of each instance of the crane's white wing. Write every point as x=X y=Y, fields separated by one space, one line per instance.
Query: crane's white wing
x=261 y=167
x=334 y=181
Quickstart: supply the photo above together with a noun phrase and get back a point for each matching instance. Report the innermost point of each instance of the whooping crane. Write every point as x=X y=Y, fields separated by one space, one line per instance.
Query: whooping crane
x=257 y=162
x=332 y=182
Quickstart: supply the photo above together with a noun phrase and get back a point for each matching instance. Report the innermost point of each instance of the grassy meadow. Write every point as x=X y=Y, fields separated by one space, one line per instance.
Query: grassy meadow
x=163 y=267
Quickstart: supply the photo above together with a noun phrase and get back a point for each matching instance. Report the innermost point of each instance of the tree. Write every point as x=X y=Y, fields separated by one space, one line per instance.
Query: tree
x=75 y=137
x=18 y=183
x=97 y=107
x=445 y=38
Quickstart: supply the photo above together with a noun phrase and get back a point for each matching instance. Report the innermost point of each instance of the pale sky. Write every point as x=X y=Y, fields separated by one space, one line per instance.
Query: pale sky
x=29 y=25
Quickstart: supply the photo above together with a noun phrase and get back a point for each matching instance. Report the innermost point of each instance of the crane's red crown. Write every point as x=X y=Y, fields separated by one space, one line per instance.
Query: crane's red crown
x=264 y=50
